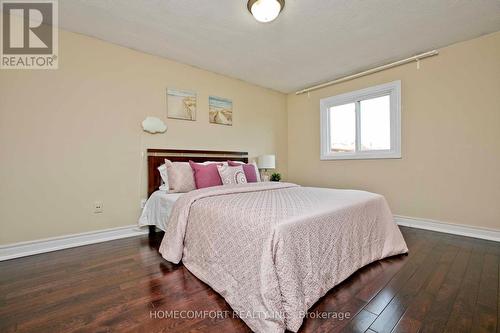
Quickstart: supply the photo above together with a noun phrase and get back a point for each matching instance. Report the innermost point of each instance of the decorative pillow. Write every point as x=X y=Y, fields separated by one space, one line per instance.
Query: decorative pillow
x=205 y=175
x=248 y=169
x=232 y=174
x=164 y=177
x=180 y=177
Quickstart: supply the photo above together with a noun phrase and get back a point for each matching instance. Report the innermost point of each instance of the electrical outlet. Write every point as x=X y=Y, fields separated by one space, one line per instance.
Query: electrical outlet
x=98 y=207
x=143 y=203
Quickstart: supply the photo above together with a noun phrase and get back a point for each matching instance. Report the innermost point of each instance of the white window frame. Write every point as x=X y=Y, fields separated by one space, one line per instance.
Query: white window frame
x=391 y=88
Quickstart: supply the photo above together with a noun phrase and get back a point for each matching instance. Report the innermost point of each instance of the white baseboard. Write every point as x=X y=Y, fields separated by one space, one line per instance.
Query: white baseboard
x=449 y=228
x=17 y=250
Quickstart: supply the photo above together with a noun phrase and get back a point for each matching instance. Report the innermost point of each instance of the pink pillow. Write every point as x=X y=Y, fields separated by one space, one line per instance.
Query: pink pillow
x=248 y=169
x=180 y=177
x=205 y=175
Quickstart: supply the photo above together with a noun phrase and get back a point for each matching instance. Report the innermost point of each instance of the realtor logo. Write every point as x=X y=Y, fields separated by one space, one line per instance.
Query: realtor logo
x=29 y=34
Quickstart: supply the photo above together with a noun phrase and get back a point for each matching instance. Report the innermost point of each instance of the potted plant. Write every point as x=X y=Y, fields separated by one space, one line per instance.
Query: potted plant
x=275 y=177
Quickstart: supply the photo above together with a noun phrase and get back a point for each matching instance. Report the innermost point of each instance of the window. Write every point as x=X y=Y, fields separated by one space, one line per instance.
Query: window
x=362 y=124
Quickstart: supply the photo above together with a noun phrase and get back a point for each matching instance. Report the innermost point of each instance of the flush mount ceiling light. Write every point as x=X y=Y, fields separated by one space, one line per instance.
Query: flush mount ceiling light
x=265 y=10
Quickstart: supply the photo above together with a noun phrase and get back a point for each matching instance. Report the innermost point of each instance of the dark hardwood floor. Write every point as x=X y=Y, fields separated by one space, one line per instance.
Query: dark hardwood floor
x=446 y=284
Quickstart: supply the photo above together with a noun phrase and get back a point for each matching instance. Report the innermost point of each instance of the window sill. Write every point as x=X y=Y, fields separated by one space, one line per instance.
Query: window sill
x=360 y=156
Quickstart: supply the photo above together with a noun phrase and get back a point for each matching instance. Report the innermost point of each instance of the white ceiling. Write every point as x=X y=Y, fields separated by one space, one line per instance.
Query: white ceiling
x=311 y=41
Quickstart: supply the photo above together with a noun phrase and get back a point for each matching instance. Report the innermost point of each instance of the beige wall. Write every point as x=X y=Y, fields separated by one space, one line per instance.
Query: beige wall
x=72 y=136
x=450 y=166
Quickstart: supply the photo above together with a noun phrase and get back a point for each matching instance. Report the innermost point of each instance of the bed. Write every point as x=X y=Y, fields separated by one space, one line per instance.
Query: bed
x=273 y=249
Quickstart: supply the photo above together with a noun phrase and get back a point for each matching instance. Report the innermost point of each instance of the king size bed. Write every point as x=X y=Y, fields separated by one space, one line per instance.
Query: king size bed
x=273 y=249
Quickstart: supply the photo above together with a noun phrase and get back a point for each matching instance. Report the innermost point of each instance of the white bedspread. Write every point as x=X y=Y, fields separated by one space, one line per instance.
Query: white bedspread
x=273 y=249
x=158 y=208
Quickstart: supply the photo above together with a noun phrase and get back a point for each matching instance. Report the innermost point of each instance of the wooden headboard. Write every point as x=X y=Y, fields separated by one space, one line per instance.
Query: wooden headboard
x=156 y=157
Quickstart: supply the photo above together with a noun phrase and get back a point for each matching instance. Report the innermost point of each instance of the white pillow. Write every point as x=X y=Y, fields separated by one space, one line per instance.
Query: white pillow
x=231 y=174
x=164 y=177
x=212 y=162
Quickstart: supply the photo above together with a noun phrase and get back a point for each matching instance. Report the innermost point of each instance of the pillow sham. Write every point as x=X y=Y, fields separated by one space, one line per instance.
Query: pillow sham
x=180 y=177
x=206 y=175
x=232 y=174
x=250 y=170
x=162 y=169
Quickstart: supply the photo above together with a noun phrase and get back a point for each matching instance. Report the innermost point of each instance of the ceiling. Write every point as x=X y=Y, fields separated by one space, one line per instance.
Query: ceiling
x=310 y=42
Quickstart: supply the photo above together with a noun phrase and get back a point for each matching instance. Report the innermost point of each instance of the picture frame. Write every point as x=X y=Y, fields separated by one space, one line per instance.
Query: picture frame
x=181 y=104
x=220 y=110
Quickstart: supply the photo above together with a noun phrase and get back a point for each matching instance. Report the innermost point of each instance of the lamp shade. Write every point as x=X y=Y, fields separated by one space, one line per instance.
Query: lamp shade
x=266 y=162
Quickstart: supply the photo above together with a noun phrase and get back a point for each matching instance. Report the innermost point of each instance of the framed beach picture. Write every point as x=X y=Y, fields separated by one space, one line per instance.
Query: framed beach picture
x=220 y=111
x=181 y=104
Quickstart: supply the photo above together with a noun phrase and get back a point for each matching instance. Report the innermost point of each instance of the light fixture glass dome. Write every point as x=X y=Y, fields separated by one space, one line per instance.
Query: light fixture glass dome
x=265 y=10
